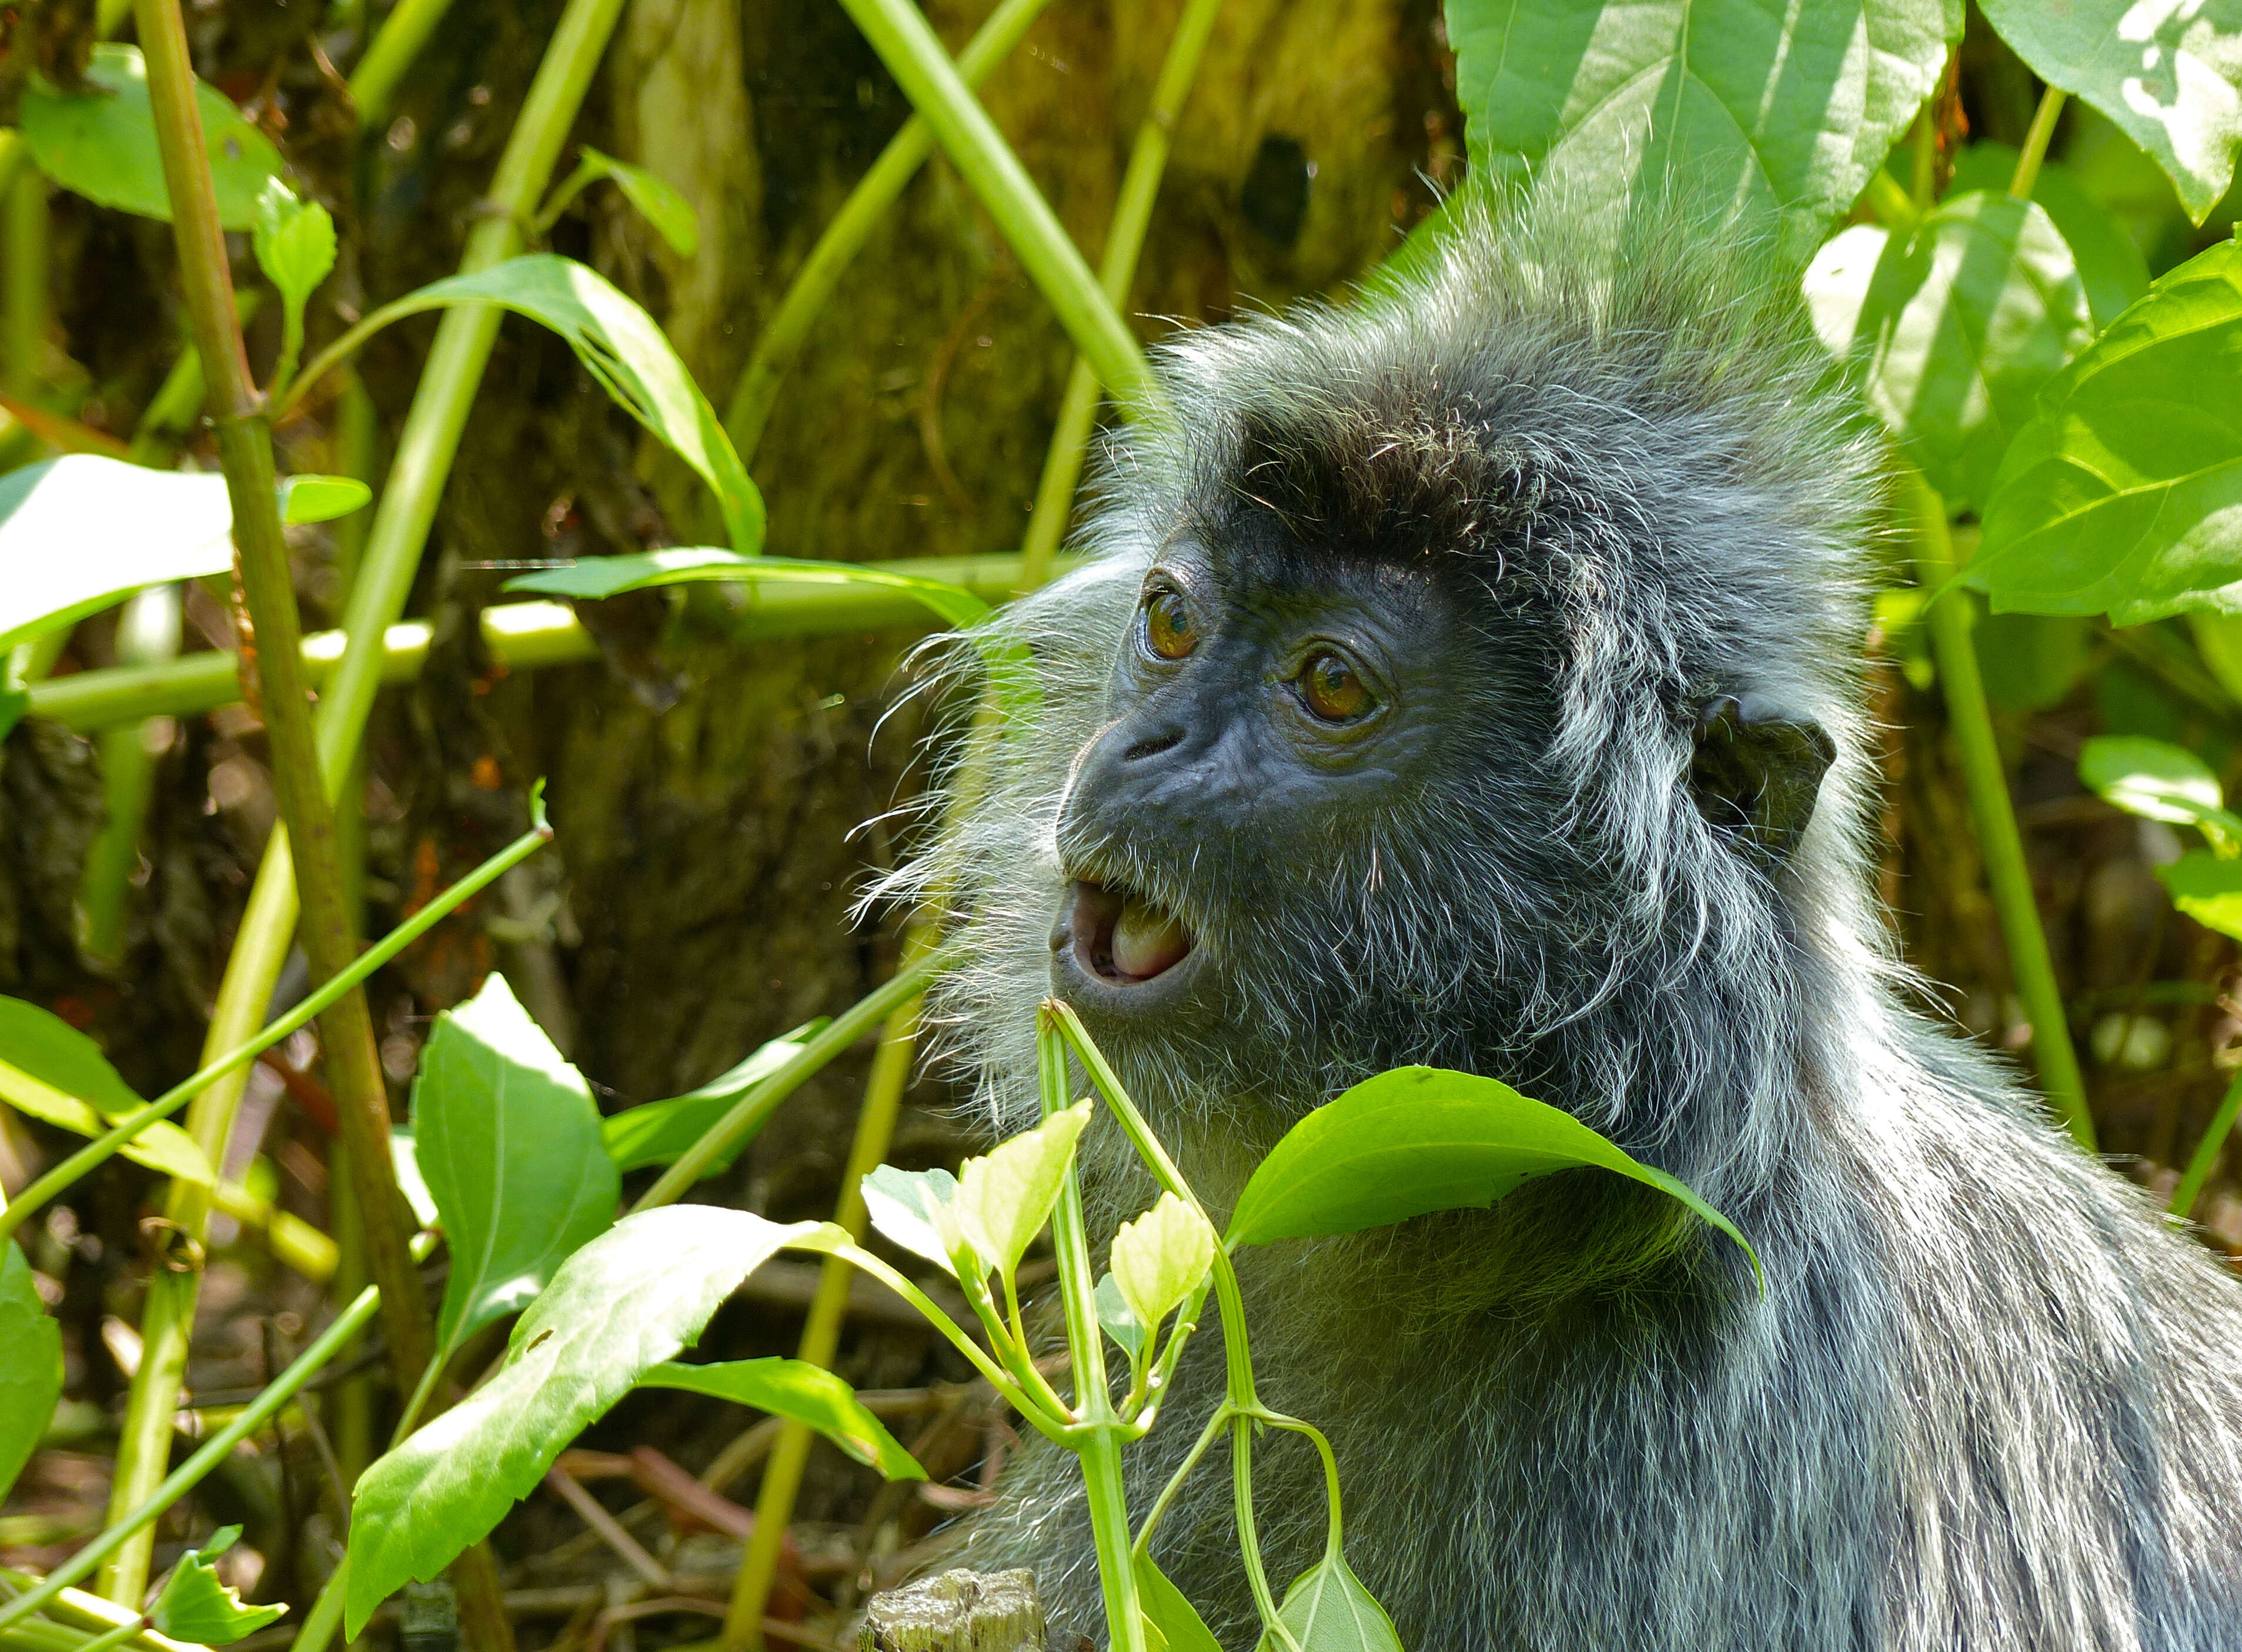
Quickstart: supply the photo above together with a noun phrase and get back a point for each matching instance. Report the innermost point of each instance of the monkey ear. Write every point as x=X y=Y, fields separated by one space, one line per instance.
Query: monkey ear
x=1757 y=770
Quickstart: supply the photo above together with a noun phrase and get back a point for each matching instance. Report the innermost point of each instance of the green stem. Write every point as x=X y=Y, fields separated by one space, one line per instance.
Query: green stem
x=190 y=1473
x=789 y=328
x=1208 y=1435
x=2205 y=1157
x=748 y=1114
x=1116 y=270
x=95 y=1152
x=147 y=634
x=403 y=32
x=899 y=32
x=2006 y=871
x=326 y=1614
x=2036 y=142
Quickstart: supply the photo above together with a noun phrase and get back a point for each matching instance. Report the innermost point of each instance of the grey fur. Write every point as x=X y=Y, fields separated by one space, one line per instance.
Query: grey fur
x=1989 y=1400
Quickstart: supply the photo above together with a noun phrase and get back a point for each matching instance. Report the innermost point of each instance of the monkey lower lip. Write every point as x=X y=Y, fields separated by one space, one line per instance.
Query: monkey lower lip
x=1123 y=937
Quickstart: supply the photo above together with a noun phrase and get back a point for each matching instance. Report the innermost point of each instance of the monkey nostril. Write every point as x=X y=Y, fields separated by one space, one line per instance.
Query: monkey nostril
x=1153 y=744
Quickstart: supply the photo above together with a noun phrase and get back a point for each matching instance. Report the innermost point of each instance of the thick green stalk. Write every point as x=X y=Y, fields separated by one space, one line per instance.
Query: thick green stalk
x=821 y=1333
x=789 y=328
x=1116 y=270
x=2036 y=142
x=2205 y=1159
x=899 y=32
x=396 y=44
x=1952 y=619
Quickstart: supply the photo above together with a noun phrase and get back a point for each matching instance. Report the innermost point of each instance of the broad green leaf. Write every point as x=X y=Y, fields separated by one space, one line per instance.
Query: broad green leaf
x=294 y=242
x=914 y=1208
x=321 y=499
x=805 y=1392
x=81 y=532
x=594 y=578
x=2030 y=660
x=1420 y=1139
x=2110 y=266
x=1166 y=1610
x=101 y=144
x=2167 y=74
x=1120 y=1319
x=1964 y=320
x=2157 y=781
x=195 y=1605
x=1328 y=1610
x=658 y=1131
x=2124 y=492
x=622 y=1304
x=31 y=1365
x=509 y=1139
x=2208 y=888
x=1837 y=282
x=622 y=347
x=1779 y=112
x=1005 y=1196
x=1160 y=1258
x=405 y=1154
x=51 y=1070
x=670 y=212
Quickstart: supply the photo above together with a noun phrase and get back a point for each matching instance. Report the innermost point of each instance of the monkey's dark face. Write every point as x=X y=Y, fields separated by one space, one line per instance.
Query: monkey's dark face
x=1270 y=713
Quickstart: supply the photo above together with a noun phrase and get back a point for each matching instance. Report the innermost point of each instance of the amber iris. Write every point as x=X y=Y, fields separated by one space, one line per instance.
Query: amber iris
x=1168 y=628
x=1333 y=689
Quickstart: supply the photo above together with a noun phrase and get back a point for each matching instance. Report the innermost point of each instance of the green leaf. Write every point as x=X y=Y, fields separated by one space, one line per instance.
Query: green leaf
x=51 y=1070
x=101 y=144
x=2157 y=781
x=1781 y=113
x=1160 y=1258
x=1328 y=1610
x=2208 y=888
x=2109 y=264
x=405 y=1154
x=194 y=1605
x=2030 y=660
x=805 y=1392
x=1837 y=282
x=1167 y=1611
x=1120 y=1319
x=294 y=242
x=594 y=578
x=321 y=499
x=1005 y=1196
x=2124 y=494
x=622 y=1304
x=1420 y=1139
x=914 y=1209
x=14 y=703
x=509 y=1139
x=81 y=532
x=658 y=1131
x=2167 y=75
x=1964 y=321
x=622 y=347
x=670 y=212
x=31 y=1365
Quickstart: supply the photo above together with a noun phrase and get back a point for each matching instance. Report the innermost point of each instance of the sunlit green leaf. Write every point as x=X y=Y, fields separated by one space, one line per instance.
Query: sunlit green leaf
x=1964 y=321
x=53 y=1072
x=915 y=1209
x=195 y=1605
x=1160 y=1258
x=1328 y=1610
x=1120 y=1319
x=101 y=144
x=1420 y=1139
x=670 y=212
x=1765 y=111
x=2157 y=781
x=2124 y=492
x=31 y=1365
x=1837 y=282
x=2110 y=266
x=659 y=1131
x=1166 y=1610
x=2168 y=75
x=81 y=532
x=405 y=1154
x=626 y=350
x=509 y=1139
x=594 y=578
x=2208 y=888
x=1005 y=1196
x=294 y=242
x=321 y=499
x=805 y=1392
x=626 y=1302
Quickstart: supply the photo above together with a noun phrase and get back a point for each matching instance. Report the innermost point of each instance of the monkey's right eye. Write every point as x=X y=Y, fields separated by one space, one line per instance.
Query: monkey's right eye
x=1168 y=631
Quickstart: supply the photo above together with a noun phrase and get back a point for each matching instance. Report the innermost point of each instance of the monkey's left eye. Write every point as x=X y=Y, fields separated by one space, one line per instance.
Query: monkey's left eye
x=1333 y=690
x=1168 y=631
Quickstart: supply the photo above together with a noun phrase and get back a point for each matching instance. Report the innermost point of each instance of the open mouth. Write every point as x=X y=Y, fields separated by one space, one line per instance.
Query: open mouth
x=1122 y=937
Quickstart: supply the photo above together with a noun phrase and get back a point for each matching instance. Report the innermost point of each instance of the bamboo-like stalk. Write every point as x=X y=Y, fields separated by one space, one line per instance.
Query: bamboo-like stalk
x=899 y=32
x=395 y=44
x=2037 y=138
x=1952 y=619
x=1116 y=270
x=789 y=328
x=346 y=1029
